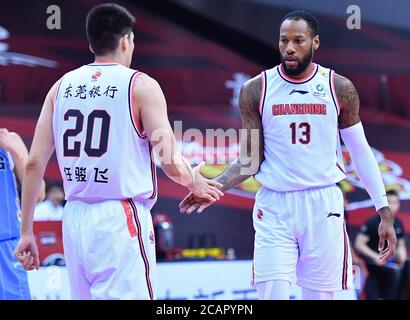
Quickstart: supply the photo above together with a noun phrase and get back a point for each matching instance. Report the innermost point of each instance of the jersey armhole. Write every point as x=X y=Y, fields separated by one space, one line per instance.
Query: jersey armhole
x=136 y=121
x=56 y=93
x=263 y=92
x=333 y=90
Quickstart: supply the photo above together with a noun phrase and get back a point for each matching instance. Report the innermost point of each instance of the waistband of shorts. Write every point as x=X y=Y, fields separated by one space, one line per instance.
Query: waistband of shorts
x=302 y=190
x=99 y=201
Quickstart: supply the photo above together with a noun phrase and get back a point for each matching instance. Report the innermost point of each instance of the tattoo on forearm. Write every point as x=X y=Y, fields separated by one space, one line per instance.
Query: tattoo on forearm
x=232 y=175
x=348 y=101
x=250 y=158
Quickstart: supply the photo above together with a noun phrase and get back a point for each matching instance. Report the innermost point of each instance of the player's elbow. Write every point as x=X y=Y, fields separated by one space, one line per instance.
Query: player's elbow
x=32 y=165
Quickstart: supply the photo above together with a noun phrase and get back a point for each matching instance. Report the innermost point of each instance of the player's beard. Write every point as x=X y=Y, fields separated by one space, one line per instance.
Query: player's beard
x=302 y=65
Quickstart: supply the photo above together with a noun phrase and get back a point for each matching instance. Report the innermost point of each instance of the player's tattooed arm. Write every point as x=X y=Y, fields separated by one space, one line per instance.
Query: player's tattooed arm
x=251 y=154
x=348 y=102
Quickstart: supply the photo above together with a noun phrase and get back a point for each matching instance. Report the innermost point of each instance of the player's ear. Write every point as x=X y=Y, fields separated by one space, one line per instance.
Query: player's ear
x=124 y=43
x=316 y=42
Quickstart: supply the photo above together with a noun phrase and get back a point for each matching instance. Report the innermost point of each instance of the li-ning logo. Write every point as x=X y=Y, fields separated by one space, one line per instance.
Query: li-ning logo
x=333 y=214
x=260 y=214
x=298 y=91
x=96 y=75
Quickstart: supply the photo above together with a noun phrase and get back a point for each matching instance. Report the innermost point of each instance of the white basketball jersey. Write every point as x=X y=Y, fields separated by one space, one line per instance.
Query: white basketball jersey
x=300 y=131
x=101 y=150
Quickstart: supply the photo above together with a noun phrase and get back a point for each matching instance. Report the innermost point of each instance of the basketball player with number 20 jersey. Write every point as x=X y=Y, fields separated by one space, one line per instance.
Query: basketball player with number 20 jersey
x=104 y=120
x=299 y=109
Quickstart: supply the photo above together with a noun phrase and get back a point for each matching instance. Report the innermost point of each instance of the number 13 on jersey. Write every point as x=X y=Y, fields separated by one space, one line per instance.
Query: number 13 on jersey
x=304 y=132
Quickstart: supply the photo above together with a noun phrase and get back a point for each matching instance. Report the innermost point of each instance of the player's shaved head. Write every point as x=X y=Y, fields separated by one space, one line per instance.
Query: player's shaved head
x=105 y=25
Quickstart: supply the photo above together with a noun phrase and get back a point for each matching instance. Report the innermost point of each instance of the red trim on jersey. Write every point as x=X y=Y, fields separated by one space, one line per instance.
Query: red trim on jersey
x=142 y=248
x=283 y=74
x=135 y=120
x=333 y=88
x=128 y=214
x=153 y=174
x=261 y=99
x=345 y=258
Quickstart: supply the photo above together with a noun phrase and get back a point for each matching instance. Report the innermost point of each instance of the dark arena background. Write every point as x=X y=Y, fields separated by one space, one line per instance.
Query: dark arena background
x=201 y=52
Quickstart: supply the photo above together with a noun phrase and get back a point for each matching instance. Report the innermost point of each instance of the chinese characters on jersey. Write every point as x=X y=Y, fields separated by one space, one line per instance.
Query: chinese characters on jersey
x=82 y=91
x=80 y=174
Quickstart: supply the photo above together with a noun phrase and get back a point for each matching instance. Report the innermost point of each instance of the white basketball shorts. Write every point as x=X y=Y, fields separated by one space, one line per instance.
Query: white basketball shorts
x=109 y=248
x=302 y=231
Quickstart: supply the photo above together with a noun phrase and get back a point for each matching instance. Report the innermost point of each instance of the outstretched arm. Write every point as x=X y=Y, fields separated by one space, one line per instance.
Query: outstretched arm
x=152 y=110
x=251 y=146
x=352 y=133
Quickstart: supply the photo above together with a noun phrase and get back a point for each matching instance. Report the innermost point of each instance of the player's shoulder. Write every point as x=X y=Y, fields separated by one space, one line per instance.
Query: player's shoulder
x=342 y=82
x=250 y=94
x=145 y=83
x=253 y=84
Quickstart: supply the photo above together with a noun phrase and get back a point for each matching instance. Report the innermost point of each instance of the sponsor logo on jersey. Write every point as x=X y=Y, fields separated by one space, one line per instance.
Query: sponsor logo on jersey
x=96 y=75
x=298 y=91
x=260 y=214
x=319 y=91
x=330 y=214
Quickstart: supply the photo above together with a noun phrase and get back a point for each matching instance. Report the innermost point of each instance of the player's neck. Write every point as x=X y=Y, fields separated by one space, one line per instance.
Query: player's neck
x=106 y=59
x=308 y=71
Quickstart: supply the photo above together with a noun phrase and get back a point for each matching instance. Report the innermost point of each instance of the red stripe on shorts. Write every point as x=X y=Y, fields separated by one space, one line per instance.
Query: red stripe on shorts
x=128 y=214
x=143 y=254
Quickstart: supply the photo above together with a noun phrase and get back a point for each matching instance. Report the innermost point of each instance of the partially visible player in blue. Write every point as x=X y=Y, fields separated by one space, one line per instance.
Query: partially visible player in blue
x=13 y=158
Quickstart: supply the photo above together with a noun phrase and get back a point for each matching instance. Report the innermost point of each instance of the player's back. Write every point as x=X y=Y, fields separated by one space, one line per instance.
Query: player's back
x=300 y=130
x=101 y=150
x=9 y=200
